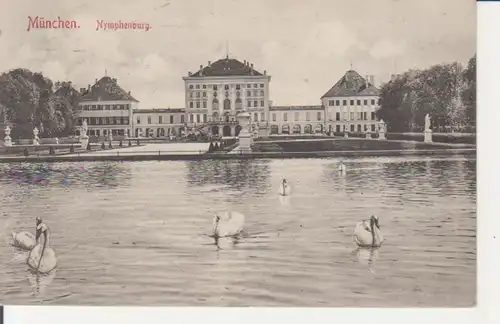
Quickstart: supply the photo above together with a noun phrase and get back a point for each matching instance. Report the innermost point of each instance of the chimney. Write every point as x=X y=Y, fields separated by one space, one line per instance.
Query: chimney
x=95 y=80
x=88 y=88
x=265 y=72
x=372 y=80
x=244 y=62
x=251 y=66
x=209 y=64
x=129 y=92
x=367 y=78
x=190 y=74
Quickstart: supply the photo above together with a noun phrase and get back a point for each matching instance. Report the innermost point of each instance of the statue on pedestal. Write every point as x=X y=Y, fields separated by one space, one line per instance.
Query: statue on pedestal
x=7 y=141
x=381 y=129
x=36 y=139
x=84 y=128
x=427 y=129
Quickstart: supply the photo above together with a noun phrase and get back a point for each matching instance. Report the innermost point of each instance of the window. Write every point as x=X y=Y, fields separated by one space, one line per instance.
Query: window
x=359 y=115
x=365 y=117
x=249 y=85
x=198 y=118
x=262 y=85
x=255 y=85
x=249 y=103
x=237 y=94
x=227 y=94
x=337 y=116
x=352 y=102
x=215 y=104
x=182 y=119
x=204 y=104
x=262 y=117
x=274 y=117
x=160 y=119
x=255 y=103
x=197 y=86
x=204 y=93
x=318 y=115
x=337 y=102
x=255 y=117
x=331 y=102
x=237 y=87
x=261 y=93
x=262 y=103
x=197 y=104
x=215 y=87
x=197 y=94
x=226 y=87
x=215 y=94
x=358 y=102
x=344 y=102
x=379 y=102
x=296 y=116
x=138 y=121
x=373 y=115
x=255 y=93
x=346 y=116
x=191 y=86
x=352 y=115
x=249 y=94
x=205 y=117
x=365 y=102
x=191 y=104
x=149 y=119
x=191 y=118
x=190 y=95
x=307 y=116
x=373 y=102
x=171 y=119
x=285 y=116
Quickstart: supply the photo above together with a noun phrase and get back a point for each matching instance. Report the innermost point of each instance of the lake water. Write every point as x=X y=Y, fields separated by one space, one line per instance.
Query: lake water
x=136 y=233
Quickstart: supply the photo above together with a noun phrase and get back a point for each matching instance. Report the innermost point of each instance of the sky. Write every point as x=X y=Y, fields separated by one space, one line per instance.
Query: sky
x=304 y=45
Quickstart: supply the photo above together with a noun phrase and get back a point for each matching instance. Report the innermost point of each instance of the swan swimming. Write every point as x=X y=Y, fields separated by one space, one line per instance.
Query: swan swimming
x=42 y=258
x=367 y=233
x=285 y=188
x=227 y=224
x=342 y=168
x=24 y=240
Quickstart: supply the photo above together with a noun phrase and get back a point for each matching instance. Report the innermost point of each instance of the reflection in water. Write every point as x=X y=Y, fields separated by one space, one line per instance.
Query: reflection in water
x=39 y=282
x=237 y=174
x=367 y=256
x=57 y=174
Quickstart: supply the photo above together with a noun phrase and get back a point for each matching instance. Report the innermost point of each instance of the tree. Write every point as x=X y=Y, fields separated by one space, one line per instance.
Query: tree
x=404 y=102
x=30 y=102
x=469 y=91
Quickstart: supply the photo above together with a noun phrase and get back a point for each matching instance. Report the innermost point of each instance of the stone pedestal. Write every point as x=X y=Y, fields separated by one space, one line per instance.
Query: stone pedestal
x=346 y=135
x=381 y=135
x=428 y=136
x=84 y=140
x=244 y=136
x=368 y=135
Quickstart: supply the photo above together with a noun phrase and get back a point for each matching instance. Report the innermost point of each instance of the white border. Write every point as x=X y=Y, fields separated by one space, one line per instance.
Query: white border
x=488 y=252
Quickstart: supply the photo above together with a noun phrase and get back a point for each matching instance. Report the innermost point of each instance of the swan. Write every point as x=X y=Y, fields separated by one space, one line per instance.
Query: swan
x=24 y=240
x=342 y=168
x=42 y=258
x=228 y=223
x=285 y=188
x=367 y=233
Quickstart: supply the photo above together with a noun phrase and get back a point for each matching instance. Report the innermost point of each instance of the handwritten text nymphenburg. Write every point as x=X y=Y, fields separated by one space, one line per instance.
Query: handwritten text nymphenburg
x=42 y=23
x=109 y=25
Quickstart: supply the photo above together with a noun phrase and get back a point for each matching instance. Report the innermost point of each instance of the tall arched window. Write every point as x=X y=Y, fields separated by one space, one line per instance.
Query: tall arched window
x=238 y=104
x=215 y=104
x=227 y=104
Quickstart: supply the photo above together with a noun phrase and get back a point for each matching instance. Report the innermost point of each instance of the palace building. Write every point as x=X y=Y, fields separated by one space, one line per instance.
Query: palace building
x=351 y=103
x=217 y=92
x=296 y=120
x=159 y=122
x=107 y=108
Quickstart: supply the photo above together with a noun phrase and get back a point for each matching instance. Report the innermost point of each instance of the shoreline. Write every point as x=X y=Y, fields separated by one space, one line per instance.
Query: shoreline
x=87 y=157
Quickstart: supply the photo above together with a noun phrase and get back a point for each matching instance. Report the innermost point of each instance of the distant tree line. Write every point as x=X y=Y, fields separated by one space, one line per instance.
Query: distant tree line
x=29 y=100
x=446 y=91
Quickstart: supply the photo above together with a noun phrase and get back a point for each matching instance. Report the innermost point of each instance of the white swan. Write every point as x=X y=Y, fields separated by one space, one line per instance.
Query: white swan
x=24 y=240
x=228 y=223
x=42 y=258
x=285 y=188
x=342 y=168
x=367 y=233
